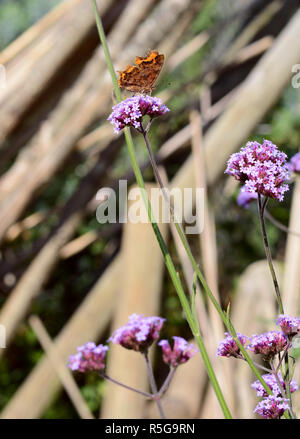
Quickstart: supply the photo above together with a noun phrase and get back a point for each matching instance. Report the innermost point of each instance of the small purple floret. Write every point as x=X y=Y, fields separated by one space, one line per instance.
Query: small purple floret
x=272 y=384
x=290 y=326
x=229 y=348
x=261 y=168
x=294 y=163
x=131 y=111
x=268 y=344
x=245 y=197
x=89 y=358
x=139 y=333
x=182 y=351
x=272 y=407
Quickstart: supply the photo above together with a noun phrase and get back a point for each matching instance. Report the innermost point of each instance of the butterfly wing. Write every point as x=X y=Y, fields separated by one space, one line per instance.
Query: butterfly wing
x=142 y=77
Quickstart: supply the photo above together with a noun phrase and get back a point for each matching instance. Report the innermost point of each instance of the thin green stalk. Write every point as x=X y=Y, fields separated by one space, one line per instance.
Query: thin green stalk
x=261 y=209
x=108 y=59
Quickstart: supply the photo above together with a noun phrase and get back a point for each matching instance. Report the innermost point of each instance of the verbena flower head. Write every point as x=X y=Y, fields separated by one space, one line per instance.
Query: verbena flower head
x=182 y=351
x=261 y=168
x=139 y=333
x=89 y=357
x=294 y=164
x=131 y=111
x=268 y=344
x=289 y=325
x=272 y=407
x=272 y=384
x=245 y=197
x=229 y=348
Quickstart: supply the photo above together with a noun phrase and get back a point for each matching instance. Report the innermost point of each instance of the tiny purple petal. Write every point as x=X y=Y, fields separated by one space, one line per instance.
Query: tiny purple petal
x=139 y=333
x=272 y=384
x=229 y=348
x=89 y=358
x=290 y=326
x=272 y=407
x=261 y=168
x=182 y=351
x=245 y=197
x=131 y=111
x=268 y=344
x=294 y=163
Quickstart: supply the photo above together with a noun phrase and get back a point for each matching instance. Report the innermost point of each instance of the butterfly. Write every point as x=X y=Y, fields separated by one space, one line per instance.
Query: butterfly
x=141 y=77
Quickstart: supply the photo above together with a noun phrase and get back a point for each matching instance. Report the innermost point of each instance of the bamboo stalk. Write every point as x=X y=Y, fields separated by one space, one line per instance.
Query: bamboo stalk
x=188 y=272
x=291 y=285
x=43 y=60
x=140 y=293
x=29 y=286
x=252 y=29
x=89 y=97
x=36 y=30
x=207 y=240
x=88 y=323
x=257 y=94
x=253 y=312
x=59 y=366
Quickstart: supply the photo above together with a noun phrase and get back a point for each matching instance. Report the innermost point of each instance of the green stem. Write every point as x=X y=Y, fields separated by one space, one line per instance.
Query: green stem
x=261 y=209
x=106 y=52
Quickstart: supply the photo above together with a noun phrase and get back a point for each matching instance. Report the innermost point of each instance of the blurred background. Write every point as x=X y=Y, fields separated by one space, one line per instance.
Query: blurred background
x=65 y=279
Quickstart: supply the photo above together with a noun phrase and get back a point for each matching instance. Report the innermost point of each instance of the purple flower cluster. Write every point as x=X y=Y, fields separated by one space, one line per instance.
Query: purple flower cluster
x=245 y=197
x=229 y=348
x=182 y=351
x=131 y=111
x=261 y=168
x=89 y=357
x=290 y=326
x=272 y=407
x=139 y=333
x=268 y=344
x=272 y=384
x=294 y=163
